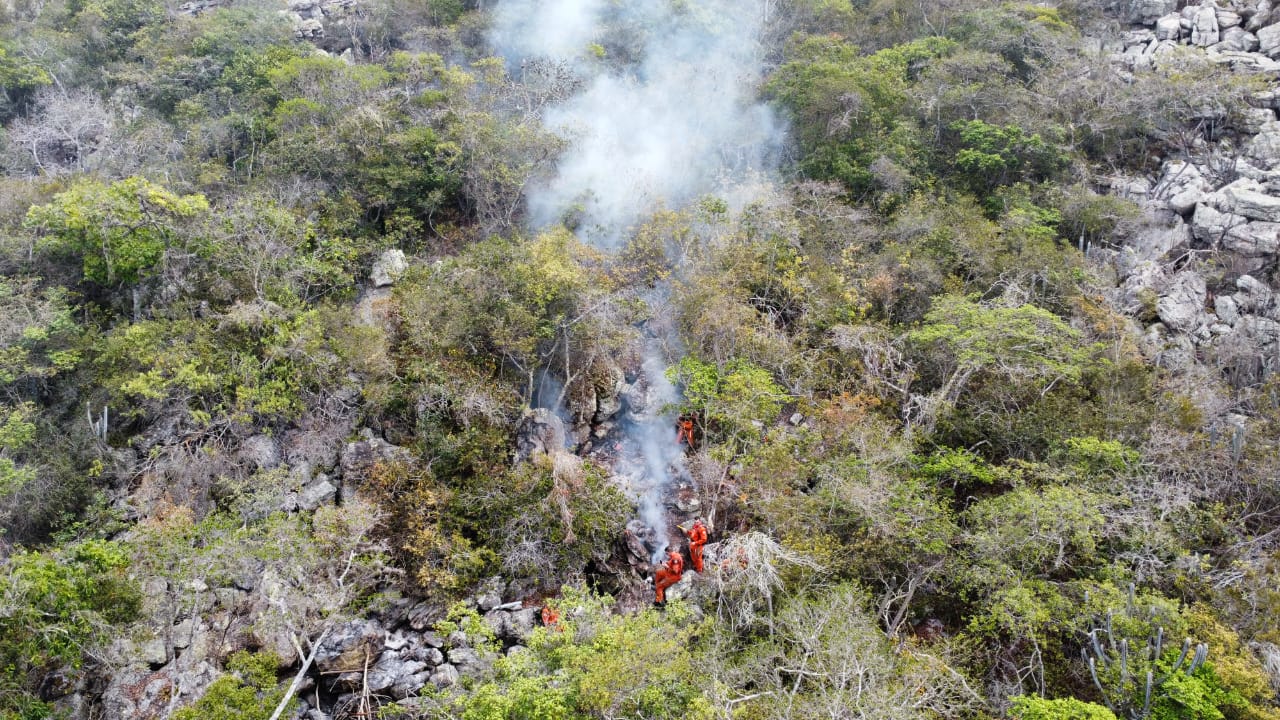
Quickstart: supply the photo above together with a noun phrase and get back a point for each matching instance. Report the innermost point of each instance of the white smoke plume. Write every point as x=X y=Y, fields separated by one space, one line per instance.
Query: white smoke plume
x=667 y=113
x=675 y=117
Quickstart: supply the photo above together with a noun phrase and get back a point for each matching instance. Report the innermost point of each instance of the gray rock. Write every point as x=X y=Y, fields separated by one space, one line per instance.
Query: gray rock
x=1263 y=150
x=540 y=432
x=309 y=29
x=405 y=676
x=1209 y=226
x=1253 y=295
x=428 y=655
x=1182 y=185
x=154 y=652
x=320 y=492
x=458 y=639
x=1257 y=119
x=1263 y=331
x=390 y=266
x=445 y=676
x=1249 y=199
x=1224 y=306
x=182 y=633
x=260 y=452
x=424 y=615
x=1143 y=12
x=498 y=621
x=466 y=660
x=1204 y=26
x=348 y=645
x=1161 y=234
x=359 y=457
x=1237 y=39
x=1169 y=27
x=1256 y=239
x=521 y=623
x=1181 y=307
x=155 y=595
x=1269 y=41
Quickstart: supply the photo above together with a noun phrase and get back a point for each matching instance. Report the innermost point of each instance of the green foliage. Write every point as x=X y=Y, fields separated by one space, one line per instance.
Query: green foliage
x=735 y=401
x=40 y=338
x=852 y=109
x=598 y=664
x=257 y=363
x=990 y=156
x=1034 y=533
x=18 y=80
x=53 y=607
x=1030 y=707
x=120 y=230
x=16 y=433
x=545 y=518
x=250 y=692
x=1025 y=343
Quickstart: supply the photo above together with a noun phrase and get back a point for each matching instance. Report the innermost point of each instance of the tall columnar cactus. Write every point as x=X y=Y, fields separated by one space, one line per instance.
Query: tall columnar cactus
x=1121 y=675
x=98 y=427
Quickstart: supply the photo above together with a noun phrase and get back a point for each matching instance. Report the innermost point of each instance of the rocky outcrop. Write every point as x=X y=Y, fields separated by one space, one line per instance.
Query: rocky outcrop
x=1221 y=203
x=389 y=267
x=541 y=432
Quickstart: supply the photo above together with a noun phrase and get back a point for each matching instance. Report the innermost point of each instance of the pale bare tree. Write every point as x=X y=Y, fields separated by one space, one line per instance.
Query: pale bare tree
x=62 y=134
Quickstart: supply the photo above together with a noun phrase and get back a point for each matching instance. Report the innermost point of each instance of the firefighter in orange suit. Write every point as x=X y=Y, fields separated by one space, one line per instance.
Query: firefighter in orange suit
x=685 y=433
x=697 y=538
x=667 y=575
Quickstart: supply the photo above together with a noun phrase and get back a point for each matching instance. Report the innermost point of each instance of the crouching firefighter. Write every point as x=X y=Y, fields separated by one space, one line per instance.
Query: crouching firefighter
x=667 y=575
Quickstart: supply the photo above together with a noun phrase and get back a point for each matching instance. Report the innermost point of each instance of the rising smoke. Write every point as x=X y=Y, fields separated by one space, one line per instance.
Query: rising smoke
x=667 y=113
x=675 y=117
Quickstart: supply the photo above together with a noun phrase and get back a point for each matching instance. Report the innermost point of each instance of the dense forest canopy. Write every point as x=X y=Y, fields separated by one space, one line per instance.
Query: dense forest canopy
x=369 y=357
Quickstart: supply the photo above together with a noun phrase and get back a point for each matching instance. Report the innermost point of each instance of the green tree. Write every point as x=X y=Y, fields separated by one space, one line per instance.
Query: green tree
x=119 y=230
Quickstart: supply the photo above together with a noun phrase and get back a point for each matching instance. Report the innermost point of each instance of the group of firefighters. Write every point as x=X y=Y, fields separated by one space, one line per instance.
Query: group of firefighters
x=670 y=572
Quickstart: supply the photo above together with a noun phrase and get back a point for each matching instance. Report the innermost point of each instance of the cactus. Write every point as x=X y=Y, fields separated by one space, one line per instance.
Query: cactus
x=1133 y=668
x=99 y=427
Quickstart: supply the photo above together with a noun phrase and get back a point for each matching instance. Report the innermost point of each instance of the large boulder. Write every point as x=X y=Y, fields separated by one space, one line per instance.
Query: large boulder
x=1181 y=307
x=1269 y=41
x=349 y=645
x=389 y=268
x=1182 y=186
x=1209 y=226
x=1169 y=27
x=1144 y=12
x=541 y=432
x=1204 y=26
x=1263 y=150
x=1253 y=240
x=1249 y=199
x=359 y=457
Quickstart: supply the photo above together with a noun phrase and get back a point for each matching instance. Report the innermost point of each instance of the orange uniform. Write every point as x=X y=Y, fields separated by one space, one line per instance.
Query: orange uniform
x=550 y=617
x=667 y=575
x=685 y=434
x=697 y=538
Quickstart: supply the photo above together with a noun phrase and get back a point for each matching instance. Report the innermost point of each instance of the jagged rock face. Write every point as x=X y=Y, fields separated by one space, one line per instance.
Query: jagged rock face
x=1182 y=306
x=1224 y=199
x=1143 y=12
